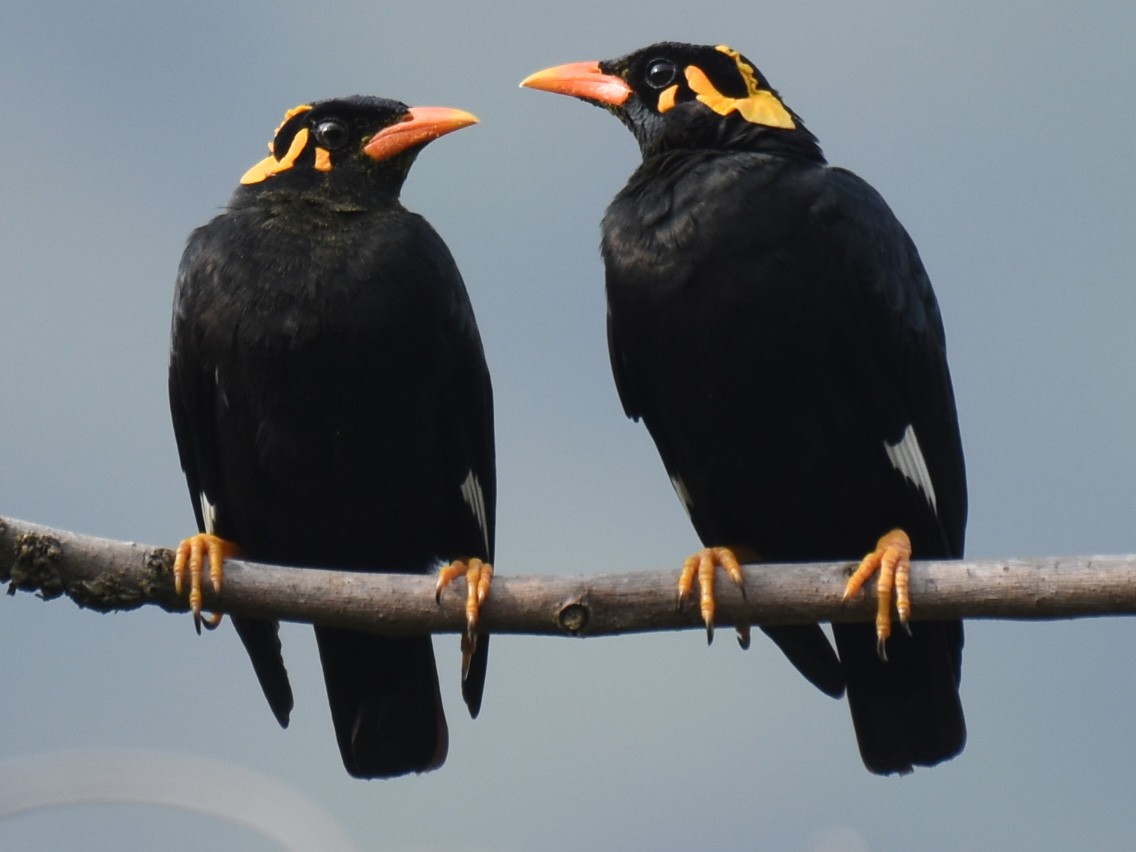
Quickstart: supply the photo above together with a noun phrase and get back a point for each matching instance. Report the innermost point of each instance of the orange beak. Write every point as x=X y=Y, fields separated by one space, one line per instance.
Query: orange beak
x=421 y=125
x=581 y=80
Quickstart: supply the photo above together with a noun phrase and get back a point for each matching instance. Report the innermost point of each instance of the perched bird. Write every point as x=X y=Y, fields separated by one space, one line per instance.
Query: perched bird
x=770 y=321
x=333 y=409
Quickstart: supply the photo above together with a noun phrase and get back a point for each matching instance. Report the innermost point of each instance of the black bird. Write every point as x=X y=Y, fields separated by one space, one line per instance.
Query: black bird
x=333 y=409
x=770 y=321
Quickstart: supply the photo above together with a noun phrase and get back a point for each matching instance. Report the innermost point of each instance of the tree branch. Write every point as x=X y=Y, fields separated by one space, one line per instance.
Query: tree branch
x=110 y=575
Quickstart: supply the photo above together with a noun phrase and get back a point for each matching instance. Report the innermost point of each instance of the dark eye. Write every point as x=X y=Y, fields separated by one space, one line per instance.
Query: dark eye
x=331 y=134
x=661 y=73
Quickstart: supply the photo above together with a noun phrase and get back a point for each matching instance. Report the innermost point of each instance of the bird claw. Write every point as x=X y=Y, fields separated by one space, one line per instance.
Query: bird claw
x=189 y=560
x=703 y=564
x=892 y=561
x=478 y=577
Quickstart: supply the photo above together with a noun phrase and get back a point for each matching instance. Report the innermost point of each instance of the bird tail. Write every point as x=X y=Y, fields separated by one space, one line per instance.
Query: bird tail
x=906 y=711
x=385 y=702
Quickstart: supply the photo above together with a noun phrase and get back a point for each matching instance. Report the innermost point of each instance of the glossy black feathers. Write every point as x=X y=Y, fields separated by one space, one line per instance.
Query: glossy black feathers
x=771 y=323
x=330 y=400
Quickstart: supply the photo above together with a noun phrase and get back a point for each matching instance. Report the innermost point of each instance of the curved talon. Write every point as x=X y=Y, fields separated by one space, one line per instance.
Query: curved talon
x=892 y=560
x=743 y=634
x=703 y=564
x=190 y=559
x=210 y=622
x=478 y=577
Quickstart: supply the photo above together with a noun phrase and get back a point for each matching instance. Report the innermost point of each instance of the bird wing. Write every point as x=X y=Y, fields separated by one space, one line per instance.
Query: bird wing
x=192 y=390
x=472 y=463
x=899 y=319
x=906 y=711
x=193 y=405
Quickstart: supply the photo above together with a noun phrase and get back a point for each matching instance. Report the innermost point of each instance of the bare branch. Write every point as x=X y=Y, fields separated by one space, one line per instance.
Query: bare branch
x=110 y=575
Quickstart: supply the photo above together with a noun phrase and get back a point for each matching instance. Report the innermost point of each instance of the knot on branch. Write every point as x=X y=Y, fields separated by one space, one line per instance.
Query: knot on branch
x=573 y=618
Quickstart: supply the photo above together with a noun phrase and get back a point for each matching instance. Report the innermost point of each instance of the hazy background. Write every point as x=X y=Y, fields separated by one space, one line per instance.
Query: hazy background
x=1001 y=133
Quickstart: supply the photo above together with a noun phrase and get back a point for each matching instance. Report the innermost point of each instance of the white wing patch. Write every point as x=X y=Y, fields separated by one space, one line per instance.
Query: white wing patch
x=208 y=513
x=683 y=495
x=474 y=498
x=221 y=395
x=907 y=458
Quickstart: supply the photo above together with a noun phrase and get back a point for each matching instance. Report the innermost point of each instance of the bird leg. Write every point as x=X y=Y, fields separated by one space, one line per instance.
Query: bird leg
x=478 y=576
x=892 y=559
x=190 y=558
x=703 y=564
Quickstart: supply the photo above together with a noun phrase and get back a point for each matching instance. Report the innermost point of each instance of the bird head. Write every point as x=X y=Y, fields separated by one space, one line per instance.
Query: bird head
x=677 y=96
x=348 y=142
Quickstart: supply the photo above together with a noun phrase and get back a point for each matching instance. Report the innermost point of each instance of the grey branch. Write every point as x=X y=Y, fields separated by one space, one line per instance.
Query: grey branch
x=107 y=575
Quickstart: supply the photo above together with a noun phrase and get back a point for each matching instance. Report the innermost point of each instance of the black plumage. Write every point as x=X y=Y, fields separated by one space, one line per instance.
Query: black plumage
x=332 y=404
x=771 y=323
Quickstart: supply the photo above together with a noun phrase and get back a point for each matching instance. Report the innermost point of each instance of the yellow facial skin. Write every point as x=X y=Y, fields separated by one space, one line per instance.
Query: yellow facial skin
x=759 y=106
x=270 y=166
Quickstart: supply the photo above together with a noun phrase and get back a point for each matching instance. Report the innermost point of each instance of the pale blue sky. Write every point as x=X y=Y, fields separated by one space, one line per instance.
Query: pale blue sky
x=1001 y=134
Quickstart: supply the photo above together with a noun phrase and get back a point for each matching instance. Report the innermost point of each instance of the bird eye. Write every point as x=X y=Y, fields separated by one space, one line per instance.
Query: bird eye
x=331 y=134
x=661 y=73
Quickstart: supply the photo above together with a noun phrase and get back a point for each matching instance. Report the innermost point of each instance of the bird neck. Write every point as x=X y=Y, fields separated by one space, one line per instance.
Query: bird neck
x=734 y=134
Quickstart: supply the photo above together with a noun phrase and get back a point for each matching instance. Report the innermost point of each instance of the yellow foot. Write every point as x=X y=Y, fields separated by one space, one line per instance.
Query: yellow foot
x=190 y=558
x=478 y=576
x=703 y=564
x=892 y=559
